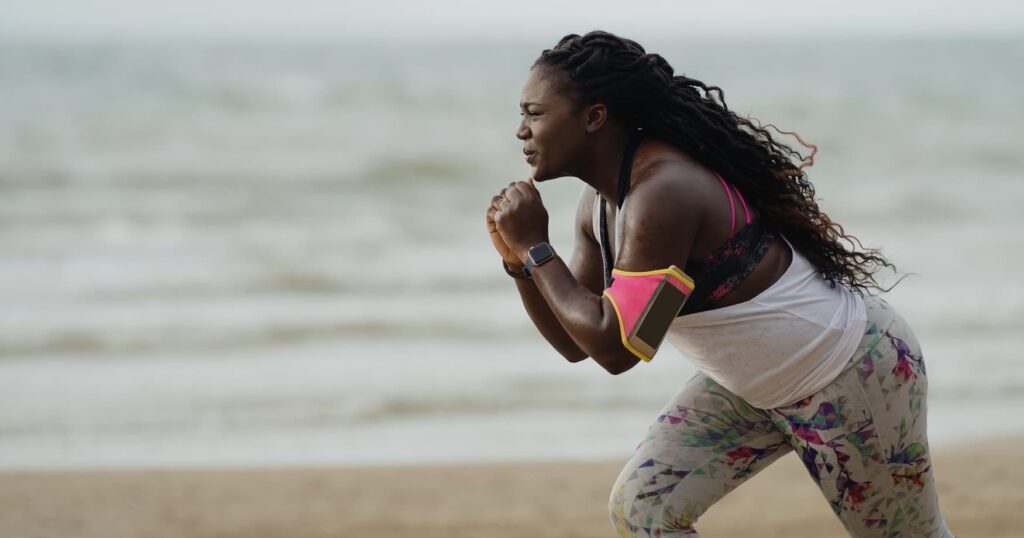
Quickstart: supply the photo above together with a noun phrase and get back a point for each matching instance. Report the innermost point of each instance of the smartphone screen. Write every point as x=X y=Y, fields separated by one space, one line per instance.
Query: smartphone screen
x=659 y=314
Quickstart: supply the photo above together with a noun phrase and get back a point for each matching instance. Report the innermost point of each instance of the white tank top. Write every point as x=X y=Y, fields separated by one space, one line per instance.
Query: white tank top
x=779 y=347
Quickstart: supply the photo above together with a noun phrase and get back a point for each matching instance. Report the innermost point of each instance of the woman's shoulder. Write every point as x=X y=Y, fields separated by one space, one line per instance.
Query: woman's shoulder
x=661 y=215
x=667 y=179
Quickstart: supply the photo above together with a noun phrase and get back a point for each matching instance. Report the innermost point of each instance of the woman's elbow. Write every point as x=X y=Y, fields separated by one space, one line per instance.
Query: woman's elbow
x=617 y=363
x=574 y=355
x=620 y=368
x=610 y=350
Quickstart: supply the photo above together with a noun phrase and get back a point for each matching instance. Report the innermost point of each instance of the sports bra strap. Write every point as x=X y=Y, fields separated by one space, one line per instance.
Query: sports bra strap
x=625 y=170
x=746 y=210
x=732 y=205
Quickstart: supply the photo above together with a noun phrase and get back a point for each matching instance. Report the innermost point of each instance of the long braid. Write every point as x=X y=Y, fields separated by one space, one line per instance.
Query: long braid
x=642 y=91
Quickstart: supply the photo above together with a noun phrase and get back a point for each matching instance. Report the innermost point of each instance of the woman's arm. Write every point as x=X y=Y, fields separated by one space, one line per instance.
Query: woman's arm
x=659 y=224
x=586 y=267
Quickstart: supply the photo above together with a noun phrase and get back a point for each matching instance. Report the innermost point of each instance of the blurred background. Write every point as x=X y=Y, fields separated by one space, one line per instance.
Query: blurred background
x=233 y=235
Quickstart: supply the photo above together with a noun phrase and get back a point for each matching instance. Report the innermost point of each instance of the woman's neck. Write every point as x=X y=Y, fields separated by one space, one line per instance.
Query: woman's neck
x=601 y=168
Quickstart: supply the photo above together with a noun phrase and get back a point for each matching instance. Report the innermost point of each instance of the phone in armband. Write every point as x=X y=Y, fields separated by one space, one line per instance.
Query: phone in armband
x=647 y=303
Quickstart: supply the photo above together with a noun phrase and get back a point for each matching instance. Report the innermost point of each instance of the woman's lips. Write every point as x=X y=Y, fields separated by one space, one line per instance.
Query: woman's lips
x=529 y=155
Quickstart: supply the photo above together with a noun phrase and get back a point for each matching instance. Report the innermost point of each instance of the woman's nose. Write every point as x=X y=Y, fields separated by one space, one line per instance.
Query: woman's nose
x=522 y=133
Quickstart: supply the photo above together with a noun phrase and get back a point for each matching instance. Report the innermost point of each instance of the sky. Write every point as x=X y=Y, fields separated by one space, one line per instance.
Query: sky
x=71 y=19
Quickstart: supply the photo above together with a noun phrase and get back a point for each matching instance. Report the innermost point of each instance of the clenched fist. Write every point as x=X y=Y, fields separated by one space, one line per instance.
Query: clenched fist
x=517 y=220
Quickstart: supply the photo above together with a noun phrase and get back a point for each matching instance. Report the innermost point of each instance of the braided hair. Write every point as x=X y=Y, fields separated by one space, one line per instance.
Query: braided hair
x=642 y=91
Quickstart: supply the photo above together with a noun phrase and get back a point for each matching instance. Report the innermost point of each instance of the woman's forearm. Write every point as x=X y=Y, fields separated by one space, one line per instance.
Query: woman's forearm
x=546 y=321
x=583 y=316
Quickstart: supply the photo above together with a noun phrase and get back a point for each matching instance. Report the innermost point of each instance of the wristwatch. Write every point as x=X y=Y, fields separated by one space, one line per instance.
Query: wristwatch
x=539 y=254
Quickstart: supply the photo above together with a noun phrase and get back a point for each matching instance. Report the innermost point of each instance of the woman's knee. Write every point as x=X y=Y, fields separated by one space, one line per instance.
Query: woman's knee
x=617 y=510
x=641 y=504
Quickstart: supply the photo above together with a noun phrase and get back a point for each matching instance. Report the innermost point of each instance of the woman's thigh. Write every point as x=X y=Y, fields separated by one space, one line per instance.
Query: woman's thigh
x=706 y=442
x=863 y=438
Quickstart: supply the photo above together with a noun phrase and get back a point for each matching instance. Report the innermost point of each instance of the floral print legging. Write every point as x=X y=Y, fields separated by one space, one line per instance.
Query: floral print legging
x=862 y=439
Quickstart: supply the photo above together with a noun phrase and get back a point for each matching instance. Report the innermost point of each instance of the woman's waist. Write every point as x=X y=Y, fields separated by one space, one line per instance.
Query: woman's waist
x=765 y=353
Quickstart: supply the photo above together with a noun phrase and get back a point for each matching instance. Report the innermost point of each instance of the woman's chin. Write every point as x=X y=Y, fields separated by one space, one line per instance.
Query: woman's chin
x=539 y=174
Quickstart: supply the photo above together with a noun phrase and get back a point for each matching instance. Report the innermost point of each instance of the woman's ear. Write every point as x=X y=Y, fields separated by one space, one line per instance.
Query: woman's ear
x=594 y=117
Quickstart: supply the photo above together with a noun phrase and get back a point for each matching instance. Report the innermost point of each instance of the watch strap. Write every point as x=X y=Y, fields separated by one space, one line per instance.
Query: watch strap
x=519 y=276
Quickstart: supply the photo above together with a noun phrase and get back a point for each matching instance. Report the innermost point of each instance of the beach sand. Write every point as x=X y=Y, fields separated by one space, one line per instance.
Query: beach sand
x=979 y=487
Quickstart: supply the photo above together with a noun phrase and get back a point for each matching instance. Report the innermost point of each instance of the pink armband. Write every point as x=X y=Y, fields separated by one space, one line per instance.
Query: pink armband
x=646 y=303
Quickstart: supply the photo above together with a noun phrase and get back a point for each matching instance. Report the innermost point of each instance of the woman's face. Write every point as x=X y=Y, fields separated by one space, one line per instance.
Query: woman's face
x=552 y=130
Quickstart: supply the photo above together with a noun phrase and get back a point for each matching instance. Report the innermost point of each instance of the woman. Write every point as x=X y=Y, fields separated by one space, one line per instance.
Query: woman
x=792 y=353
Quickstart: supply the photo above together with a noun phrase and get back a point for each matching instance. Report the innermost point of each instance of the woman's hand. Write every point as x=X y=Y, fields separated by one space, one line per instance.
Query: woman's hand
x=503 y=249
x=519 y=218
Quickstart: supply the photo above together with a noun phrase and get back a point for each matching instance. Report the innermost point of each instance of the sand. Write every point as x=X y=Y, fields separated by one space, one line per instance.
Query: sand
x=979 y=486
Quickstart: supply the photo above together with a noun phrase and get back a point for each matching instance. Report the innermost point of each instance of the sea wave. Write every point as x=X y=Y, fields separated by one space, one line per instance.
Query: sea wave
x=281 y=414
x=109 y=342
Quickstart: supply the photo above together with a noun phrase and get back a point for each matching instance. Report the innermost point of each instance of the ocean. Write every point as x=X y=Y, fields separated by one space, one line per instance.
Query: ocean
x=274 y=253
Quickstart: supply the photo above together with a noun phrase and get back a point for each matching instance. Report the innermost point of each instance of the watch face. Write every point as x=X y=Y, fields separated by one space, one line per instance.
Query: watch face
x=541 y=252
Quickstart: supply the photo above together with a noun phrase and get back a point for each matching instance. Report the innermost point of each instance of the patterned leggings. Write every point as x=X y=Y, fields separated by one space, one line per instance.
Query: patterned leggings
x=862 y=438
